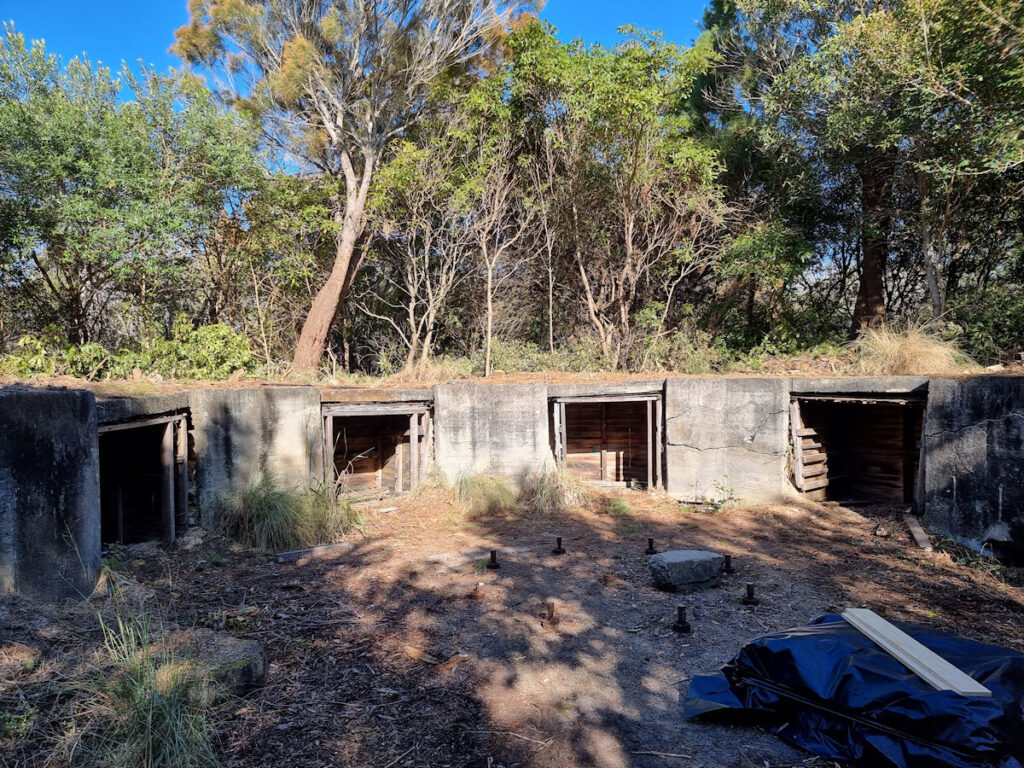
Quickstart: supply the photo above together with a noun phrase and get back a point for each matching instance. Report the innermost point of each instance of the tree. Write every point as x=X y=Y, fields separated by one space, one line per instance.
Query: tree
x=336 y=83
x=99 y=198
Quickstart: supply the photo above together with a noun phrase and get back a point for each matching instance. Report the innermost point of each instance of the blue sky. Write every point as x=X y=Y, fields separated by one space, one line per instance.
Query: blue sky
x=114 y=30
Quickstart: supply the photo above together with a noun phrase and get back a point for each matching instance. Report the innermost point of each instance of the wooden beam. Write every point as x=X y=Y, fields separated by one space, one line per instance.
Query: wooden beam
x=924 y=663
x=414 y=450
x=167 y=482
x=181 y=475
x=329 y=468
x=563 y=436
x=556 y=420
x=104 y=428
x=604 y=441
x=659 y=442
x=375 y=409
x=797 y=431
x=650 y=445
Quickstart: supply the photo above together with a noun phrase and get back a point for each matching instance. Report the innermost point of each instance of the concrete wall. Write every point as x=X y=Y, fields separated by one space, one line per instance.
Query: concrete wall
x=727 y=433
x=115 y=408
x=974 y=458
x=49 y=493
x=491 y=428
x=242 y=434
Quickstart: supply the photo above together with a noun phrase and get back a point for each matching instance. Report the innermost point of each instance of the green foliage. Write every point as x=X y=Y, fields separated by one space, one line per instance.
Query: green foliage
x=687 y=350
x=208 y=352
x=155 y=706
x=516 y=356
x=267 y=517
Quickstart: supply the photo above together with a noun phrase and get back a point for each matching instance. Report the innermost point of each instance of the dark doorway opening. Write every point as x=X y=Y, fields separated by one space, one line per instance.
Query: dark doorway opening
x=854 y=449
x=143 y=481
x=609 y=442
x=383 y=452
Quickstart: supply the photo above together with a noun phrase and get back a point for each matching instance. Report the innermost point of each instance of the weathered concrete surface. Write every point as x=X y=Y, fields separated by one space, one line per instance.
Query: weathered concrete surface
x=235 y=665
x=727 y=437
x=49 y=493
x=243 y=434
x=111 y=408
x=686 y=570
x=974 y=458
x=597 y=389
x=889 y=385
x=374 y=395
x=499 y=429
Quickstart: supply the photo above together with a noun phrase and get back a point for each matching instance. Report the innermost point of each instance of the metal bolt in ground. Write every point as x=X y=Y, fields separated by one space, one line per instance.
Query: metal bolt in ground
x=750 y=599
x=681 y=625
x=728 y=565
x=559 y=549
x=493 y=563
x=650 y=548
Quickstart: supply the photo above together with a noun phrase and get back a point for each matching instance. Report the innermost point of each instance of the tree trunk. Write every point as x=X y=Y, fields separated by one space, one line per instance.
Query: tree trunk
x=313 y=338
x=869 y=311
x=932 y=267
x=490 y=318
x=551 y=310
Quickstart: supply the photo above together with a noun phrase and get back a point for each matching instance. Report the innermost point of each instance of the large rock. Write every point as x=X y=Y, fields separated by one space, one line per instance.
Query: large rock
x=235 y=665
x=685 y=570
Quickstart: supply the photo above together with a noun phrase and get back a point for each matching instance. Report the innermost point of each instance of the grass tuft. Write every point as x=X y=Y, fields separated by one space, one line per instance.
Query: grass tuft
x=266 y=517
x=154 y=705
x=556 y=491
x=483 y=494
x=914 y=351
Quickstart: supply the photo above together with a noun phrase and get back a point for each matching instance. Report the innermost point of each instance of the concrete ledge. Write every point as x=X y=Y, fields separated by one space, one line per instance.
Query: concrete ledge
x=111 y=408
x=374 y=395
x=861 y=384
x=608 y=388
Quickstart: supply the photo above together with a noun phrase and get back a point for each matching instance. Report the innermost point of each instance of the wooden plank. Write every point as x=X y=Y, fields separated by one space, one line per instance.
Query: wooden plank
x=556 y=418
x=805 y=432
x=814 y=484
x=918 y=533
x=814 y=457
x=814 y=470
x=562 y=437
x=324 y=550
x=604 y=441
x=375 y=409
x=181 y=475
x=924 y=663
x=659 y=443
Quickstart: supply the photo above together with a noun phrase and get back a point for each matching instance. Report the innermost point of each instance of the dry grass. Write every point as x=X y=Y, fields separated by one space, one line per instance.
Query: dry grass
x=914 y=351
x=556 y=491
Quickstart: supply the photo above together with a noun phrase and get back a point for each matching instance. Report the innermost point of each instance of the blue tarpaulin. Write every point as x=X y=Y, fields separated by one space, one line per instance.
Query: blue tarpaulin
x=832 y=691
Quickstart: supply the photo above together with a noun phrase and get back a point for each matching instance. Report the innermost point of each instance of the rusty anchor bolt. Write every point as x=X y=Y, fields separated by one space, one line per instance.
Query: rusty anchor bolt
x=681 y=625
x=493 y=564
x=559 y=549
x=728 y=565
x=551 y=610
x=650 y=548
x=750 y=599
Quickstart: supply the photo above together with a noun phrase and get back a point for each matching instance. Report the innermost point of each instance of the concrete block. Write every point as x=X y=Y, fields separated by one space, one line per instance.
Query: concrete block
x=974 y=458
x=685 y=570
x=499 y=429
x=49 y=493
x=242 y=434
x=727 y=438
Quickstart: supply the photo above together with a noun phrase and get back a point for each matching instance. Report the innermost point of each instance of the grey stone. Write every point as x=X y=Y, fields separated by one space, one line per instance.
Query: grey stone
x=684 y=570
x=499 y=429
x=243 y=434
x=727 y=438
x=235 y=665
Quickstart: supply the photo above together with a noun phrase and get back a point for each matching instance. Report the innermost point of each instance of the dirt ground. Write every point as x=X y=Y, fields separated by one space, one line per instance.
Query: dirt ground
x=405 y=652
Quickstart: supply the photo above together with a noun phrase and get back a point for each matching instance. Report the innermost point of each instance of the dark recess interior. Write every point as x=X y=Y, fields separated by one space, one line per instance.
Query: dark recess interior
x=607 y=442
x=130 y=479
x=372 y=453
x=861 y=451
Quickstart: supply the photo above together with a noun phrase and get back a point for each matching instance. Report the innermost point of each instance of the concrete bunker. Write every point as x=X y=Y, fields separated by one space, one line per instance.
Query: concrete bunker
x=143 y=479
x=610 y=440
x=376 y=448
x=858 y=448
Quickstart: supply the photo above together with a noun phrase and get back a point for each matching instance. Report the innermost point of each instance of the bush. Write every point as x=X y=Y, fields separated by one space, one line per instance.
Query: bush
x=266 y=517
x=154 y=705
x=917 y=350
x=688 y=350
x=207 y=352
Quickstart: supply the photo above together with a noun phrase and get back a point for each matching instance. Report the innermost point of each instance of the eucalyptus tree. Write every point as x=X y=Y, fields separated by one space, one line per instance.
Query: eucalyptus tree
x=336 y=82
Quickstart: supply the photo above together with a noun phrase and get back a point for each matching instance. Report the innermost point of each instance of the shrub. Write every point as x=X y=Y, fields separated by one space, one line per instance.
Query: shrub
x=154 y=705
x=484 y=494
x=916 y=350
x=267 y=517
x=688 y=350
